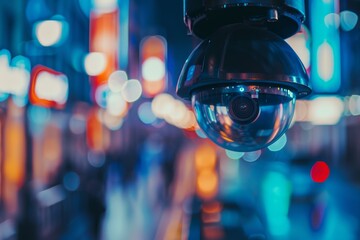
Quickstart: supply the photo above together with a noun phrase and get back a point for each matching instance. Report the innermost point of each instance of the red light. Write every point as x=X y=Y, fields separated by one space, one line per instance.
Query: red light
x=104 y=38
x=48 y=88
x=320 y=171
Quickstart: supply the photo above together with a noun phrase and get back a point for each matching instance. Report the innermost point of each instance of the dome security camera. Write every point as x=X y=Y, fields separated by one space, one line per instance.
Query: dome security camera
x=243 y=79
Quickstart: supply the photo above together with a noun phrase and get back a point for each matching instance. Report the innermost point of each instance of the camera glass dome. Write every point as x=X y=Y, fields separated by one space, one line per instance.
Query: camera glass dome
x=244 y=117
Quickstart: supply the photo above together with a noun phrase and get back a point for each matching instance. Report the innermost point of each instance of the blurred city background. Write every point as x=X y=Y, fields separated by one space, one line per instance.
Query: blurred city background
x=95 y=144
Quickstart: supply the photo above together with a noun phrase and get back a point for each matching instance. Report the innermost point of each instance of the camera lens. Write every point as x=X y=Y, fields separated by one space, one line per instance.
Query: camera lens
x=244 y=118
x=243 y=109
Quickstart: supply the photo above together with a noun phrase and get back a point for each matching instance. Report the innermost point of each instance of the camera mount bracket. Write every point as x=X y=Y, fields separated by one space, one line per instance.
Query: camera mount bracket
x=283 y=17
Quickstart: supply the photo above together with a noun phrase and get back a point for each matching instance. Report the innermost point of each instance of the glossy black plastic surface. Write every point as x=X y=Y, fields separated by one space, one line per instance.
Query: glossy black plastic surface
x=239 y=54
x=204 y=17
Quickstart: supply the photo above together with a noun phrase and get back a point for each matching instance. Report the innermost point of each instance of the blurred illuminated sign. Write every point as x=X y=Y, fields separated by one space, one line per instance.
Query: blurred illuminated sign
x=97 y=137
x=14 y=74
x=325 y=73
x=207 y=179
x=104 y=42
x=48 y=88
x=153 y=65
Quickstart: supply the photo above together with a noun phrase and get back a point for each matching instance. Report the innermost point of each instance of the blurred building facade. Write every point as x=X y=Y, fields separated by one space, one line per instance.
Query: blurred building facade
x=94 y=144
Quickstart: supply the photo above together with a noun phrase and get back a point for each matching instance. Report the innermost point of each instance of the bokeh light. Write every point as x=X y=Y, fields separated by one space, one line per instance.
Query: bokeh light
x=153 y=69
x=95 y=63
x=206 y=174
x=326 y=110
x=354 y=105
x=233 y=155
x=174 y=111
x=101 y=95
x=146 y=114
x=325 y=62
x=200 y=133
x=71 y=181
x=50 y=32
x=205 y=157
x=332 y=20
x=207 y=182
x=320 y=172
x=301 y=110
x=112 y=122
x=116 y=104
x=52 y=87
x=300 y=43
x=252 y=156
x=14 y=74
x=96 y=159
x=39 y=115
x=279 y=144
x=348 y=20
x=131 y=90
x=105 y=5
x=276 y=195
x=37 y=9
x=161 y=104
x=117 y=80
x=177 y=114
x=77 y=124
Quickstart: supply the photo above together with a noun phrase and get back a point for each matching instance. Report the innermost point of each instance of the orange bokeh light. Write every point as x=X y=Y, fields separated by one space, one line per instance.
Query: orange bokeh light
x=207 y=183
x=96 y=134
x=104 y=38
x=205 y=157
x=153 y=88
x=154 y=47
x=212 y=207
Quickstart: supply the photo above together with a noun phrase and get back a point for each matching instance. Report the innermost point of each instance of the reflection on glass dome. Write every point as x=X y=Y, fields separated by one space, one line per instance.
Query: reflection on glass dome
x=244 y=118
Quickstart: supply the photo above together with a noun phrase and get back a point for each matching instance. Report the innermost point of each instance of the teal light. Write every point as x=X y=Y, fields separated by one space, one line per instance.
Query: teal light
x=146 y=114
x=3 y=96
x=325 y=73
x=234 y=155
x=279 y=144
x=276 y=193
x=348 y=20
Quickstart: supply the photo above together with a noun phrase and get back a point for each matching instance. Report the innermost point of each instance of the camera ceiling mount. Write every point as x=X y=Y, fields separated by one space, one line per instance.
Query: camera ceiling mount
x=204 y=17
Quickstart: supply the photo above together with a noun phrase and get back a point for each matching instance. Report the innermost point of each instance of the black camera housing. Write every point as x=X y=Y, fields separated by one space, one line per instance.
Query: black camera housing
x=204 y=17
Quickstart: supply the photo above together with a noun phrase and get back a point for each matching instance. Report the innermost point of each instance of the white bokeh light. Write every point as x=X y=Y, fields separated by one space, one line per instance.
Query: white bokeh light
x=299 y=44
x=49 y=32
x=116 y=105
x=161 y=104
x=326 y=61
x=105 y=5
x=131 y=90
x=13 y=80
x=153 y=69
x=113 y=122
x=95 y=63
x=326 y=110
x=117 y=80
x=52 y=87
